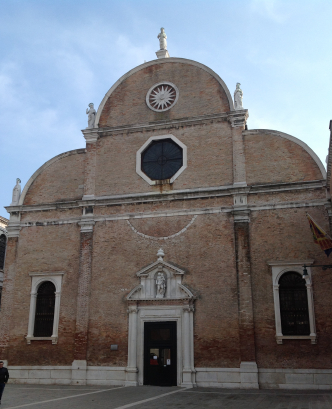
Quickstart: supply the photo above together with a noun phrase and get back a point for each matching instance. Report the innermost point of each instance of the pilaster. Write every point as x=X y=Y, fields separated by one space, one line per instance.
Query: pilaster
x=8 y=292
x=238 y=120
x=131 y=370
x=245 y=302
x=91 y=137
x=83 y=299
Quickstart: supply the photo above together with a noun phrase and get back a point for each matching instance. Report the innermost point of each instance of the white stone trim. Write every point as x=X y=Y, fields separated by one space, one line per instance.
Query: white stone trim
x=162 y=61
x=146 y=144
x=162 y=238
x=36 y=280
x=43 y=167
x=156 y=85
x=276 y=378
x=183 y=316
x=293 y=139
x=278 y=269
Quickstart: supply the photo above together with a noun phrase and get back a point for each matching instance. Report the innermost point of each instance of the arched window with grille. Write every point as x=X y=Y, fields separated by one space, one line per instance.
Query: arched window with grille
x=45 y=304
x=3 y=242
x=293 y=304
x=293 y=300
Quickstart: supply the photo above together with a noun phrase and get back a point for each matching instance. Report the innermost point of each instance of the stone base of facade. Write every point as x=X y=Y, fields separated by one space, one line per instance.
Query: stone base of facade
x=232 y=378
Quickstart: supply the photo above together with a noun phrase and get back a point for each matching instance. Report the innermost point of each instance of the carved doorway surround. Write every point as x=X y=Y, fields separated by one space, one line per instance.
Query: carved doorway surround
x=161 y=300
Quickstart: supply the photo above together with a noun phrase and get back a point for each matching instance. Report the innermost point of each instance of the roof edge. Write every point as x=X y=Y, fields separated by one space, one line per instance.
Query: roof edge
x=162 y=61
x=43 y=167
x=293 y=139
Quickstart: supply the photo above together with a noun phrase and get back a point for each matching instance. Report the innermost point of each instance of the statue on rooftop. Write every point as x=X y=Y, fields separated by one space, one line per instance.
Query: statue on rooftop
x=162 y=39
x=238 y=95
x=16 y=193
x=91 y=112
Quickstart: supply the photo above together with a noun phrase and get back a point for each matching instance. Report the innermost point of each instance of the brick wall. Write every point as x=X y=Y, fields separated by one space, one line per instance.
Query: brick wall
x=199 y=94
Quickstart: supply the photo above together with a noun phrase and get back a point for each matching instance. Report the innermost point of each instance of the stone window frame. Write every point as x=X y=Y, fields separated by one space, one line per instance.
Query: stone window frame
x=36 y=280
x=278 y=269
x=146 y=144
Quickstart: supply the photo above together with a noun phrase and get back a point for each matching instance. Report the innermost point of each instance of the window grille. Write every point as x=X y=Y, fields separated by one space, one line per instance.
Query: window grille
x=162 y=159
x=293 y=305
x=2 y=250
x=45 y=310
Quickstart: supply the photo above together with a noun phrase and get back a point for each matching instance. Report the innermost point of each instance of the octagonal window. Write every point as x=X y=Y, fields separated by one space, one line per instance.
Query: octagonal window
x=161 y=158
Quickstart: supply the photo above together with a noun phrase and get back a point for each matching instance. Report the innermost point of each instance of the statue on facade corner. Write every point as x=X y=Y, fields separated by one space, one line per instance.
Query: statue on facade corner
x=16 y=192
x=162 y=39
x=238 y=96
x=161 y=285
x=91 y=112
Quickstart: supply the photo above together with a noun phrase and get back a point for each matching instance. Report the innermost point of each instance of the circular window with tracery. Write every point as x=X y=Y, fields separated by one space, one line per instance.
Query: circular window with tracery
x=162 y=96
x=162 y=159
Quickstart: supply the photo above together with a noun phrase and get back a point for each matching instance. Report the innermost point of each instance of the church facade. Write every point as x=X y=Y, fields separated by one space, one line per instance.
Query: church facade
x=170 y=250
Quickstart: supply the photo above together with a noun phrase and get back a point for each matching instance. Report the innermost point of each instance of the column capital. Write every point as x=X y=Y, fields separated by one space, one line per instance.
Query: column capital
x=241 y=216
x=90 y=135
x=86 y=225
x=132 y=309
x=238 y=119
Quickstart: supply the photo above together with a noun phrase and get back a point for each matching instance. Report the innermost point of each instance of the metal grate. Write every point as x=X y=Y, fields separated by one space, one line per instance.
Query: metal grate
x=45 y=310
x=293 y=305
x=2 y=250
x=162 y=159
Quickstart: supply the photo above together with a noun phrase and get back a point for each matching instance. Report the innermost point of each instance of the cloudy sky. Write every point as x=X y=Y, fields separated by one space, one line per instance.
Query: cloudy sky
x=59 y=55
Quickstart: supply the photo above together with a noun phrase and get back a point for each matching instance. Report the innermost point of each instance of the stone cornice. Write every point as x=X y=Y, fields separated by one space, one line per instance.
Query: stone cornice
x=232 y=117
x=185 y=194
x=239 y=214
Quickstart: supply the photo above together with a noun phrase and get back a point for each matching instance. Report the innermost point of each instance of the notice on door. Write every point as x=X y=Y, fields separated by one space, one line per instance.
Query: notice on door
x=168 y=362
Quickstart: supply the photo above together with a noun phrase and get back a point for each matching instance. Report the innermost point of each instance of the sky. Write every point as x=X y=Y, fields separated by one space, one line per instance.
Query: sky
x=58 y=56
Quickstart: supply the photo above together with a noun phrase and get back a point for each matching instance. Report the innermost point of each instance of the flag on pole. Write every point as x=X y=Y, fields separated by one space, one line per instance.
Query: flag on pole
x=320 y=237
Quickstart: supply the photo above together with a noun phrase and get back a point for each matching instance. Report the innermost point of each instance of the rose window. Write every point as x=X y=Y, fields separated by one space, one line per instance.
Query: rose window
x=162 y=96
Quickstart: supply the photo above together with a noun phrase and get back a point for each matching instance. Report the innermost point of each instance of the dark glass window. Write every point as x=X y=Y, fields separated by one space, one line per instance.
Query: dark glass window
x=45 y=310
x=293 y=305
x=3 y=242
x=162 y=159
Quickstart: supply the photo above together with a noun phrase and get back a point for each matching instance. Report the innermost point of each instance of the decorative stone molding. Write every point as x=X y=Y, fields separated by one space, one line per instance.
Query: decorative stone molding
x=146 y=144
x=164 y=92
x=86 y=225
x=36 y=280
x=278 y=269
x=148 y=287
x=165 y=237
x=240 y=200
x=14 y=225
x=238 y=119
x=241 y=216
x=90 y=135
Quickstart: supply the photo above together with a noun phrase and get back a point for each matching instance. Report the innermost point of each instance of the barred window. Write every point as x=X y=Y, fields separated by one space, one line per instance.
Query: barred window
x=3 y=242
x=293 y=304
x=45 y=310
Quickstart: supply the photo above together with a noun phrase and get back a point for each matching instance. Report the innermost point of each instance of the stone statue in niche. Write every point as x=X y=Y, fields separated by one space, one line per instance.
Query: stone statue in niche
x=162 y=39
x=16 y=192
x=91 y=112
x=238 y=96
x=161 y=285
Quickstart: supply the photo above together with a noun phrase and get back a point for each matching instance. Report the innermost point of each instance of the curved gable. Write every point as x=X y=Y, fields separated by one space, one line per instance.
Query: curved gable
x=57 y=180
x=201 y=92
x=273 y=157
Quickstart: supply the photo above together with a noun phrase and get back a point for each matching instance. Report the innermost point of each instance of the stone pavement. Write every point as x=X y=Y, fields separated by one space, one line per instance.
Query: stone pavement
x=153 y=397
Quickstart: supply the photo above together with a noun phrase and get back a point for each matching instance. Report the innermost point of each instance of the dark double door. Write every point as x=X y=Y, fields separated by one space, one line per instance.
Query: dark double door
x=160 y=353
